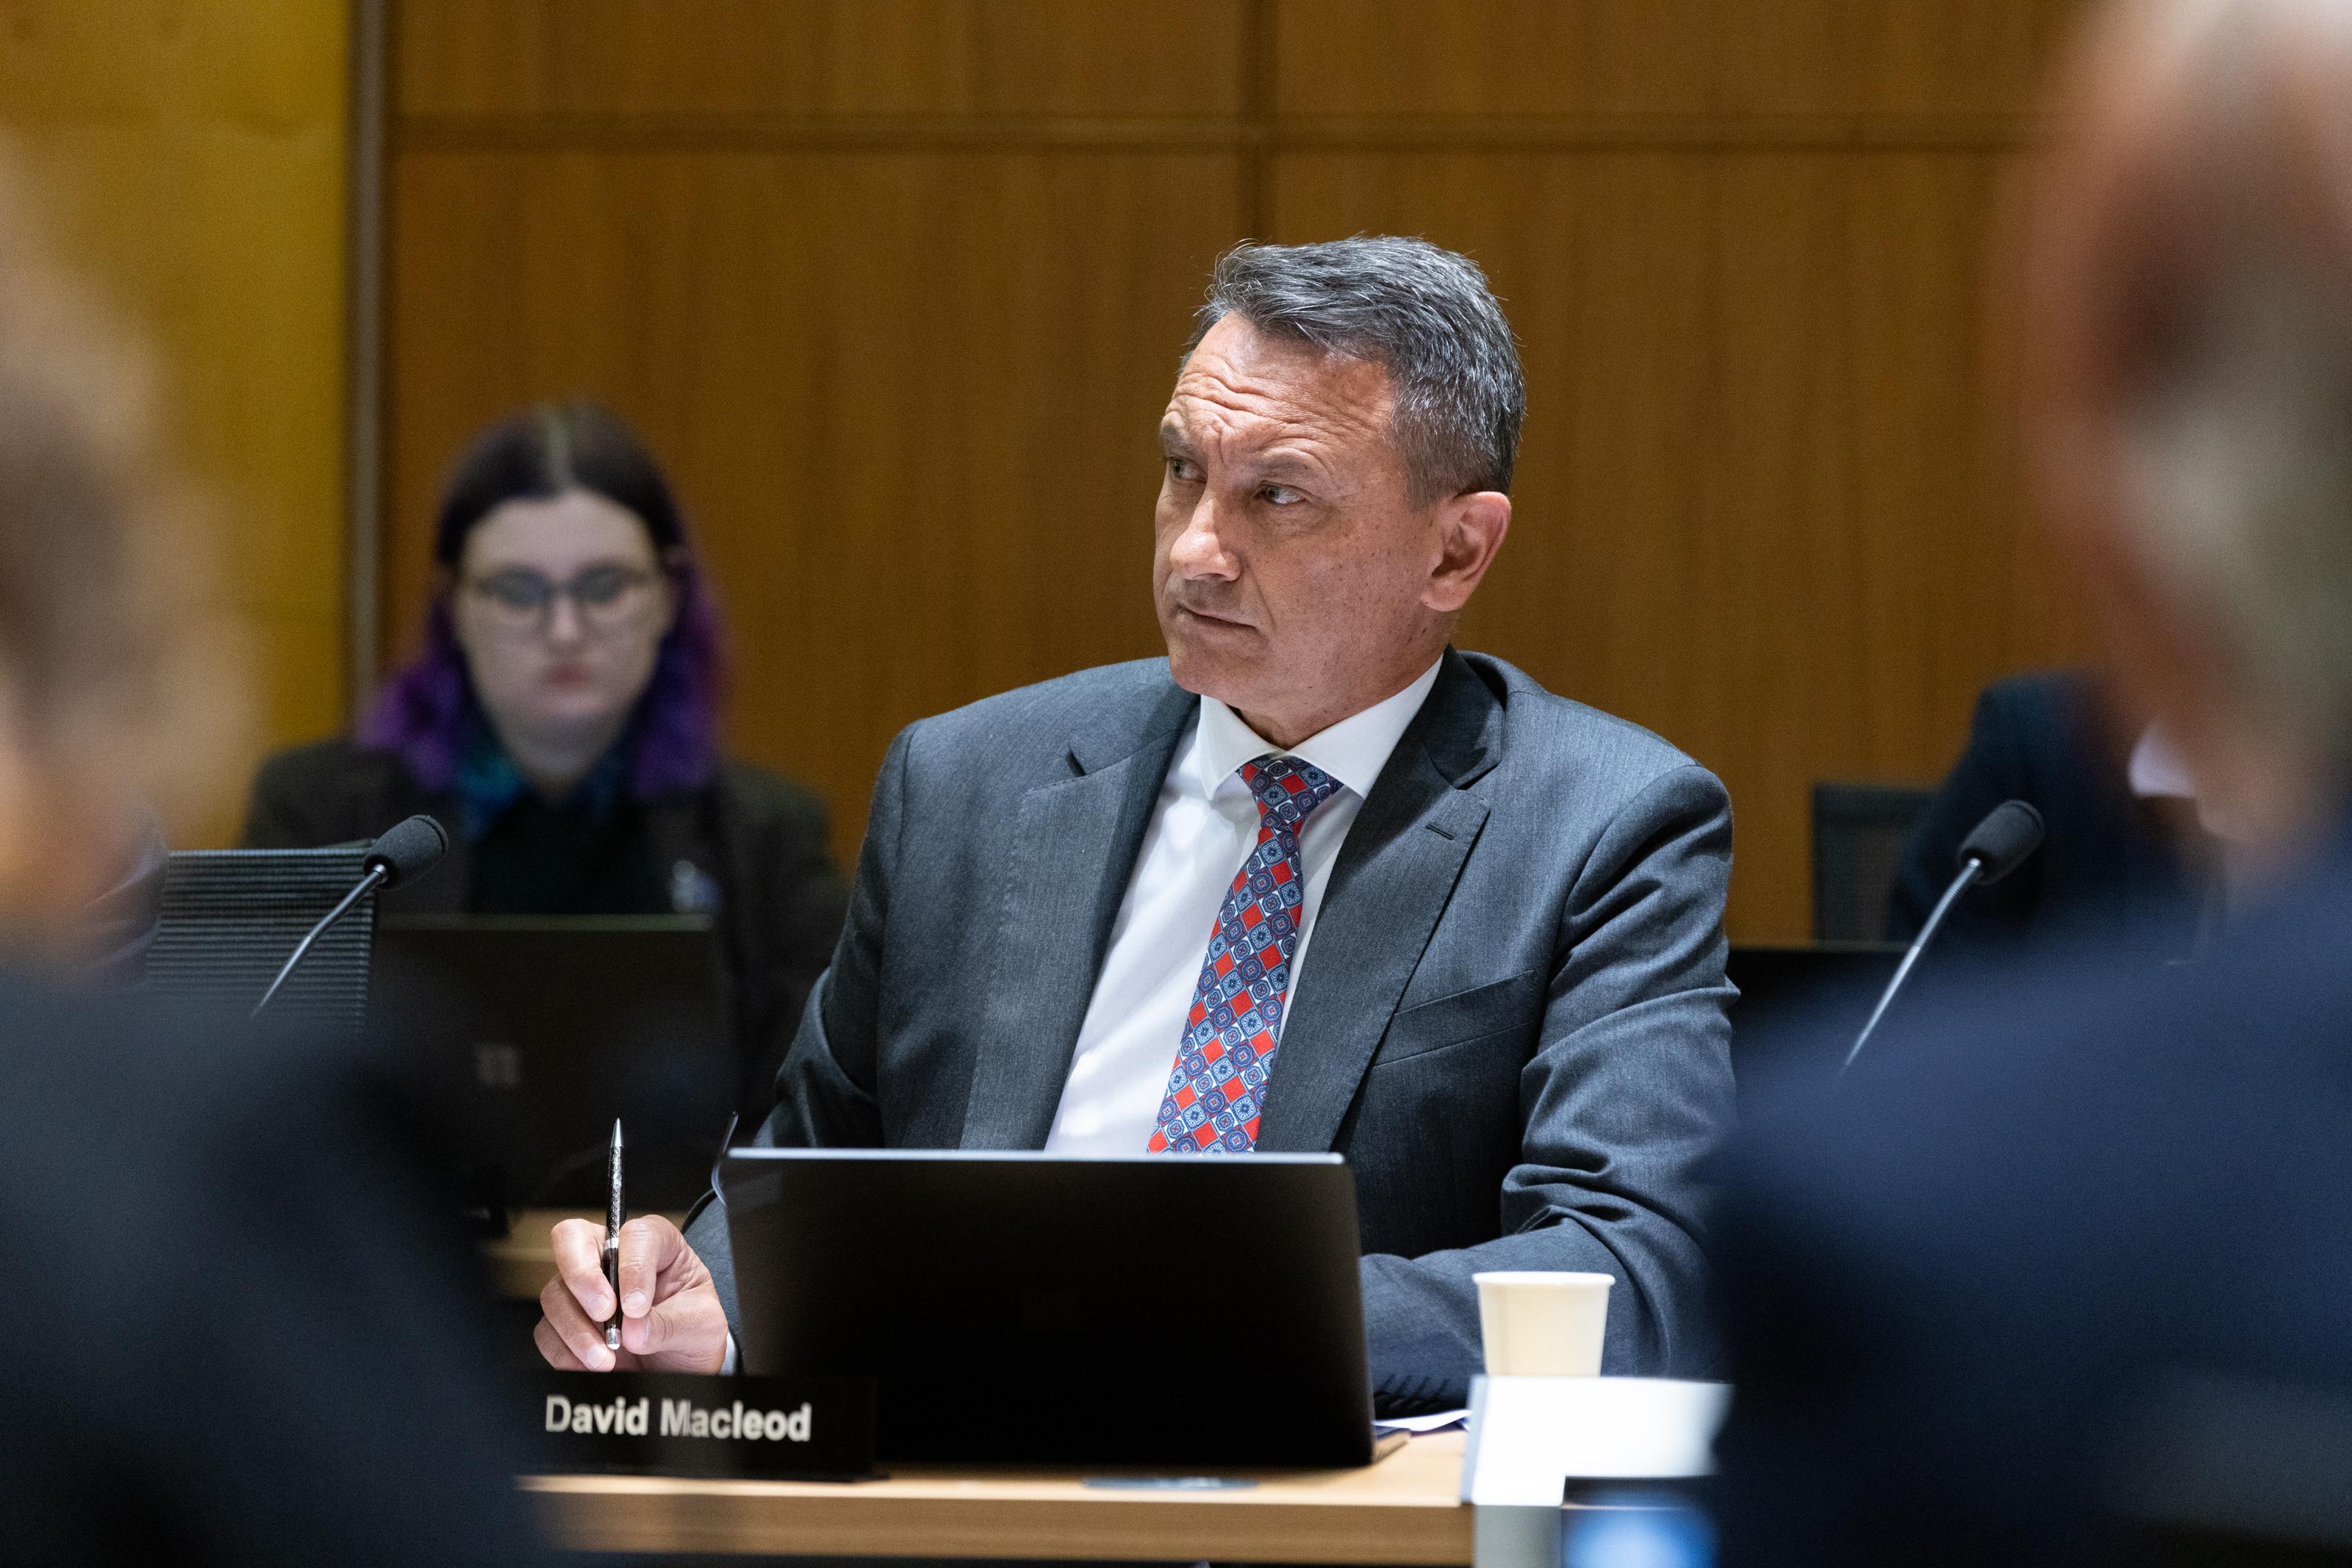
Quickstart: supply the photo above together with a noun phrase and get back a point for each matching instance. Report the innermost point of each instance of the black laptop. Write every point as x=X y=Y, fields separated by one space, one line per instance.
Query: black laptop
x=542 y=1031
x=1145 y=1310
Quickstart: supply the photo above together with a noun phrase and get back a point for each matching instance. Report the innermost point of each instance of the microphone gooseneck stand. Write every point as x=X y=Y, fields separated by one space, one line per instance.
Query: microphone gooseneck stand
x=407 y=850
x=376 y=877
x=1969 y=873
x=2006 y=837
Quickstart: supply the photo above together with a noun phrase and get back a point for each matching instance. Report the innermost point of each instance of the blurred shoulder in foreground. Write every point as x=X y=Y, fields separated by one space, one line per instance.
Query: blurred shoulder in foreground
x=2053 y=1244
x=249 y=1331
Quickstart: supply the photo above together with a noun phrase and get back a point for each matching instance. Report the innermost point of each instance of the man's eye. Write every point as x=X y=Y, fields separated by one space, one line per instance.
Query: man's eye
x=1183 y=471
x=1280 y=495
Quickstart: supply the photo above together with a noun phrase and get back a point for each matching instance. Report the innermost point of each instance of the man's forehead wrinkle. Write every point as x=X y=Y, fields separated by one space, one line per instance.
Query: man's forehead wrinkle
x=1216 y=402
x=1265 y=443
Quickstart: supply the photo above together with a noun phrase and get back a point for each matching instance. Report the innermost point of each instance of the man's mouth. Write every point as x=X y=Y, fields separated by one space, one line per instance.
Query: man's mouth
x=1213 y=618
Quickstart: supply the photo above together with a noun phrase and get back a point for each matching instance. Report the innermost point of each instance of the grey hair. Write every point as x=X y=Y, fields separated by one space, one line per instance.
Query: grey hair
x=1422 y=313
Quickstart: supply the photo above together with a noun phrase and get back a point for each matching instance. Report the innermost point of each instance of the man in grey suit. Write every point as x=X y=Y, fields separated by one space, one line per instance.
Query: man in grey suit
x=1510 y=1021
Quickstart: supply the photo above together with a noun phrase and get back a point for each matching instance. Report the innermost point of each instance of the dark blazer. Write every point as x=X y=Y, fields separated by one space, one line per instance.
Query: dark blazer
x=1510 y=1021
x=2105 y=864
x=2081 y=1235
x=760 y=838
x=248 y=1329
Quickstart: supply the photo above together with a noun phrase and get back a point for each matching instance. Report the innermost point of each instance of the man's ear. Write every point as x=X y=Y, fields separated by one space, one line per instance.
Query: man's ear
x=1470 y=530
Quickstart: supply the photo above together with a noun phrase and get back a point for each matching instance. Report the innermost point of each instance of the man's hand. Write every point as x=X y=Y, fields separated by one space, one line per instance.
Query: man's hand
x=670 y=1317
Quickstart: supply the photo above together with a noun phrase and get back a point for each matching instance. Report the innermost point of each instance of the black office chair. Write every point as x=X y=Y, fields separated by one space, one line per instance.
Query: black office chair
x=229 y=918
x=1859 y=831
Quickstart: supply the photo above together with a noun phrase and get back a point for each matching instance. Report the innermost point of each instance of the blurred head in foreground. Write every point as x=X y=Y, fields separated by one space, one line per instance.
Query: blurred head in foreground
x=2187 y=315
x=117 y=688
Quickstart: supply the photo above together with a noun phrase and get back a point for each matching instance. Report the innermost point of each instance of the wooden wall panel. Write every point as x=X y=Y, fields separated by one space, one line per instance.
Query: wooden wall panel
x=896 y=287
x=191 y=158
x=925 y=57
x=1651 y=57
x=859 y=369
x=1758 y=507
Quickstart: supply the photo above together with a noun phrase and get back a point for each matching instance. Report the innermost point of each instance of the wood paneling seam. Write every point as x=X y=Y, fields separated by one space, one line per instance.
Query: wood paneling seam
x=1445 y=134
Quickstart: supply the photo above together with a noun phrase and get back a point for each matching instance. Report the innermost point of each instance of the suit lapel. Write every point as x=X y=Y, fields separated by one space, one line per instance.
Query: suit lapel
x=1072 y=851
x=1394 y=876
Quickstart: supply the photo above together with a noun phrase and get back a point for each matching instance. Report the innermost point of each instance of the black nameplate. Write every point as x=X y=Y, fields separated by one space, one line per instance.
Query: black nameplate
x=669 y=1424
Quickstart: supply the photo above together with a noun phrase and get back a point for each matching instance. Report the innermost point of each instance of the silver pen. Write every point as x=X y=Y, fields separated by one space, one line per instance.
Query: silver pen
x=612 y=1218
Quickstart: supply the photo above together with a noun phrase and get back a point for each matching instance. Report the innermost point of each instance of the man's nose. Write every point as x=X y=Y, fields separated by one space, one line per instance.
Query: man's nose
x=1199 y=550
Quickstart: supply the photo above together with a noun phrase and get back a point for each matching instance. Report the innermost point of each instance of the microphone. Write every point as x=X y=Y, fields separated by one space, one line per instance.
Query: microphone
x=1998 y=845
x=408 y=851
x=405 y=851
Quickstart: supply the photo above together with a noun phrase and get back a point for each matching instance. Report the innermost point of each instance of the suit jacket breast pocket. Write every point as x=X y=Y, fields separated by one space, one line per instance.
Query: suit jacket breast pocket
x=1501 y=1007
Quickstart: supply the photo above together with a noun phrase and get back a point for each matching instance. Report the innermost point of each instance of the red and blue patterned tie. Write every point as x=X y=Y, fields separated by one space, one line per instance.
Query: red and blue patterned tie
x=1216 y=1092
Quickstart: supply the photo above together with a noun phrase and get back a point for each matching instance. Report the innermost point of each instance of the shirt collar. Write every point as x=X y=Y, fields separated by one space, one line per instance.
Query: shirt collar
x=1353 y=750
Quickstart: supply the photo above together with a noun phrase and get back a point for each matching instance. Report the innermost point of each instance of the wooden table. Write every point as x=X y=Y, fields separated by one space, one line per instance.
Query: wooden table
x=1405 y=1508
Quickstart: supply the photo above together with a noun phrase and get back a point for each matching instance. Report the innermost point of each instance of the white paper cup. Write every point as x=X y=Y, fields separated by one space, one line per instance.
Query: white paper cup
x=1543 y=1326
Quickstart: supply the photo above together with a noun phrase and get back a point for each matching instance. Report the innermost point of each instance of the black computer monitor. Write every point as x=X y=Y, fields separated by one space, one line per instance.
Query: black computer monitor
x=1145 y=1310
x=542 y=1029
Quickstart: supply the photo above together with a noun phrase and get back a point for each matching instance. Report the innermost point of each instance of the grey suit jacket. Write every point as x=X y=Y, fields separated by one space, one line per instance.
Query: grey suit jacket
x=1510 y=1021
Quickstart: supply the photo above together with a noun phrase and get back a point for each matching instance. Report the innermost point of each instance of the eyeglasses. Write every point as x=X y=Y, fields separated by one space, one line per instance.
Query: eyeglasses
x=521 y=599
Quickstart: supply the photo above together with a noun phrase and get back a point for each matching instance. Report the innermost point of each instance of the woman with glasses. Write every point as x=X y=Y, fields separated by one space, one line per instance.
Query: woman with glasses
x=561 y=722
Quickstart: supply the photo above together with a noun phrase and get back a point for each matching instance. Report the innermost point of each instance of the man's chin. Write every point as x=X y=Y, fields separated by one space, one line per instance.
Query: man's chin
x=1228 y=680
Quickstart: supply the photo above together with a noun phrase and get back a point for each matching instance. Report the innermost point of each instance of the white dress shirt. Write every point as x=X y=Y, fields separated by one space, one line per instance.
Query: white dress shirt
x=1202 y=826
